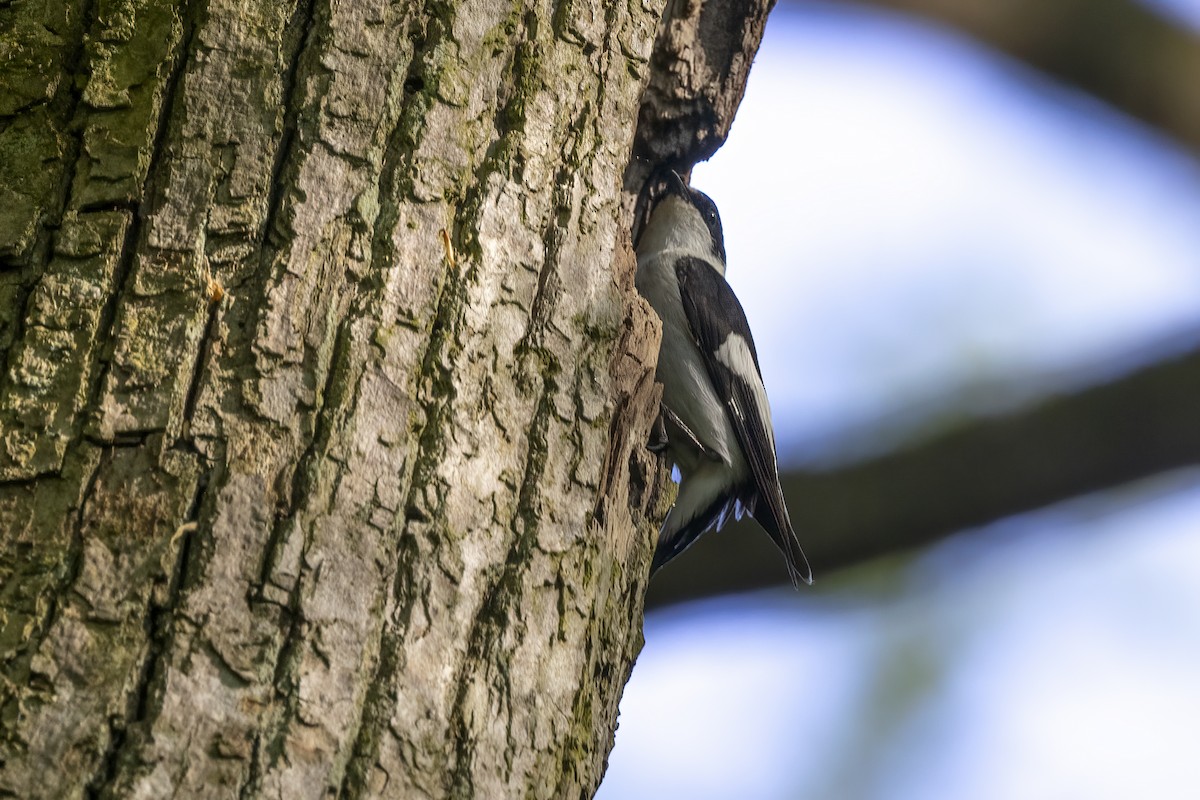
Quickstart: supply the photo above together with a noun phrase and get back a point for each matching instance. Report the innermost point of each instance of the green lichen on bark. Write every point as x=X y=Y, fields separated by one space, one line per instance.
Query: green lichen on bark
x=39 y=44
x=69 y=312
x=34 y=51
x=36 y=562
x=130 y=52
x=31 y=148
x=50 y=369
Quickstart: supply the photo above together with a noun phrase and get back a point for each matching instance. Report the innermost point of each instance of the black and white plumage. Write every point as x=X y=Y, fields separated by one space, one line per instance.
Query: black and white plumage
x=715 y=415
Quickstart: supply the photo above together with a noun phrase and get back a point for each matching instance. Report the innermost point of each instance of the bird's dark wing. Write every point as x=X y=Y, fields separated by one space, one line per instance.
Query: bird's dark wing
x=722 y=334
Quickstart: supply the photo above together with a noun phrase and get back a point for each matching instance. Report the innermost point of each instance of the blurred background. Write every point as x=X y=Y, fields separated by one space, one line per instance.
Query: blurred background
x=967 y=236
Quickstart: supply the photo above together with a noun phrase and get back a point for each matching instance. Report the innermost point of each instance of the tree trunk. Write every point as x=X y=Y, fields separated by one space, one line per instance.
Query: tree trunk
x=325 y=388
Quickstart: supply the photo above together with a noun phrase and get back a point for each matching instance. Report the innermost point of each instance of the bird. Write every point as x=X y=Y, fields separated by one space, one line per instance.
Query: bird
x=715 y=421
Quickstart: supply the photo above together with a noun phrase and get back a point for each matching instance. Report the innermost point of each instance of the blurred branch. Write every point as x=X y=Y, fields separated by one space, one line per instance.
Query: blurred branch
x=1096 y=439
x=1118 y=50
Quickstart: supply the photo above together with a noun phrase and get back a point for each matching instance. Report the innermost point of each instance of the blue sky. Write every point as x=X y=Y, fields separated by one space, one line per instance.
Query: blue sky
x=916 y=225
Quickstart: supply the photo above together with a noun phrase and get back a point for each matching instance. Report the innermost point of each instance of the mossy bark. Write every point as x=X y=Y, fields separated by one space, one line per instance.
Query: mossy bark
x=324 y=394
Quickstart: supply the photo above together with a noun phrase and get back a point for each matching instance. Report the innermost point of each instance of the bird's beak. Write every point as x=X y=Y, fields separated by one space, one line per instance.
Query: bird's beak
x=675 y=184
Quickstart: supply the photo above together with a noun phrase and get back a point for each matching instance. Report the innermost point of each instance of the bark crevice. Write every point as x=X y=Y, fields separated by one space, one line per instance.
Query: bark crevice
x=298 y=35
x=63 y=107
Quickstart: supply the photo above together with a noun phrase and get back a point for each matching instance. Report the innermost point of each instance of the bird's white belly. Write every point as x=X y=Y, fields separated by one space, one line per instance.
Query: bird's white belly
x=687 y=387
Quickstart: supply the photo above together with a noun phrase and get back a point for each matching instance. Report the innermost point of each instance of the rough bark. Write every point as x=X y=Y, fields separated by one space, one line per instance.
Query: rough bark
x=324 y=394
x=1094 y=439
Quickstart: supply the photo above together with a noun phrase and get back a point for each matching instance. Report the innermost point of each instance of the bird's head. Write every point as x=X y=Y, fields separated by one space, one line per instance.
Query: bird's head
x=683 y=219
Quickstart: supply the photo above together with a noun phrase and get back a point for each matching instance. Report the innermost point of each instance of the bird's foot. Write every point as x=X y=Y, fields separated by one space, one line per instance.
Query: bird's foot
x=658 y=435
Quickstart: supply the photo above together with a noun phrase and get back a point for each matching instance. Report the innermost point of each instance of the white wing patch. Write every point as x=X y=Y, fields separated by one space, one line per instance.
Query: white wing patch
x=735 y=354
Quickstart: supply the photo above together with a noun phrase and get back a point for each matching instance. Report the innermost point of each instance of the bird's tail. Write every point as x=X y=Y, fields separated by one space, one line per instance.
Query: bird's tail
x=774 y=519
x=695 y=511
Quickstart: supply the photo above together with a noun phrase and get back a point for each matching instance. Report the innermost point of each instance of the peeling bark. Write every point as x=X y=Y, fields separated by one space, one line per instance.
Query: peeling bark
x=324 y=395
